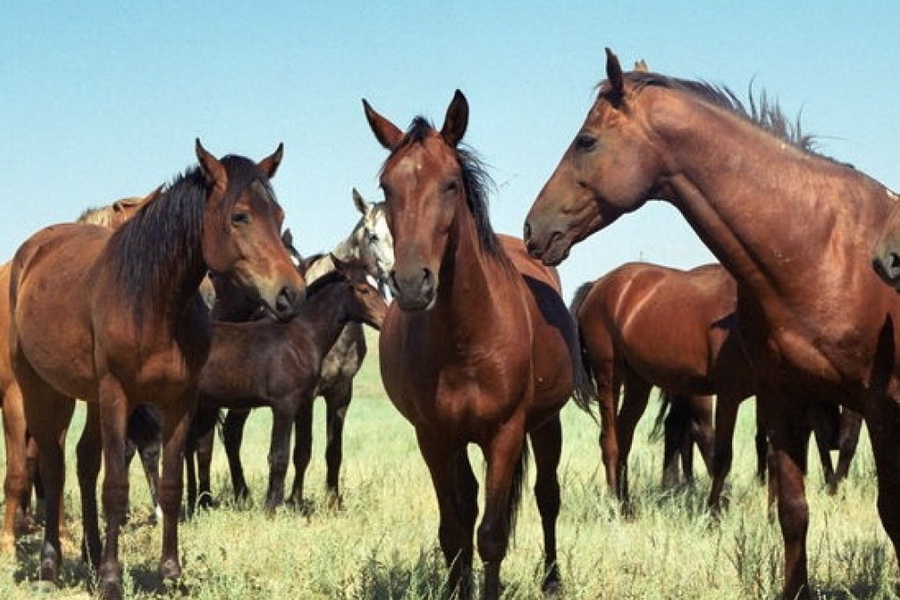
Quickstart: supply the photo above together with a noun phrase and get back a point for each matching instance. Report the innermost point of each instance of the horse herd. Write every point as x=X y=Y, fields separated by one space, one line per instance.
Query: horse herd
x=192 y=301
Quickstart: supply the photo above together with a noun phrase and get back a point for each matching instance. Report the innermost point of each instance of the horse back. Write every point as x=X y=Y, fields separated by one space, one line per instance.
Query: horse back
x=667 y=324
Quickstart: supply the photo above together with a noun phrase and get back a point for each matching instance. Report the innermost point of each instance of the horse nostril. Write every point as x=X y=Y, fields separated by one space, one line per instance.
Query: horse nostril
x=286 y=302
x=527 y=235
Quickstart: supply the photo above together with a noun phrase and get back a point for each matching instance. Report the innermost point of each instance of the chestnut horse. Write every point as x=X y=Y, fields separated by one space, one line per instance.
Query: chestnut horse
x=642 y=325
x=20 y=471
x=794 y=228
x=115 y=318
x=477 y=347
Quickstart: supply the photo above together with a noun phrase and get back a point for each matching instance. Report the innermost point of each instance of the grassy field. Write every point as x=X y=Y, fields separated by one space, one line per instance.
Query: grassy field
x=383 y=543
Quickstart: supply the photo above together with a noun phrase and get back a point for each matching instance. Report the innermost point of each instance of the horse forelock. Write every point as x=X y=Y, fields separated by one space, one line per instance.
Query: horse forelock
x=476 y=181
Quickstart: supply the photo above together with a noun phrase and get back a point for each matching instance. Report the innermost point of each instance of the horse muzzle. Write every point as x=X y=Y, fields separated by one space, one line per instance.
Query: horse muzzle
x=413 y=292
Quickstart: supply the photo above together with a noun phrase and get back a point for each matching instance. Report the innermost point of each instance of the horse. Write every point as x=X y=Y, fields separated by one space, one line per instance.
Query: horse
x=267 y=363
x=477 y=346
x=796 y=229
x=97 y=316
x=21 y=455
x=371 y=243
x=642 y=325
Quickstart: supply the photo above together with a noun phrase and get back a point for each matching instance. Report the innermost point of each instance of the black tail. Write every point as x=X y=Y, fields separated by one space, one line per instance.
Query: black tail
x=585 y=393
x=665 y=403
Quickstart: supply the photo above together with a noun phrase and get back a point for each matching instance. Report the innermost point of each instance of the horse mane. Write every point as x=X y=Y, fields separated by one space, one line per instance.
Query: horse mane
x=161 y=245
x=476 y=180
x=762 y=112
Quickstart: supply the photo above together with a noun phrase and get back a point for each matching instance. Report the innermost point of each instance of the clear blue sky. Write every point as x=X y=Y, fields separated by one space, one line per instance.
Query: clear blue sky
x=100 y=100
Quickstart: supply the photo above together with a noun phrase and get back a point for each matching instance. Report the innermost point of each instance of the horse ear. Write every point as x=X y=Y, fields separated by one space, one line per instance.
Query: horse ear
x=614 y=76
x=387 y=134
x=340 y=265
x=287 y=238
x=213 y=170
x=269 y=164
x=456 y=120
x=359 y=202
x=641 y=66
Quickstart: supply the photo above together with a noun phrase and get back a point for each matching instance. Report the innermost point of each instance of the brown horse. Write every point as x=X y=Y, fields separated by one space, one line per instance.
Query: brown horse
x=370 y=242
x=115 y=318
x=477 y=346
x=642 y=325
x=265 y=363
x=19 y=458
x=794 y=228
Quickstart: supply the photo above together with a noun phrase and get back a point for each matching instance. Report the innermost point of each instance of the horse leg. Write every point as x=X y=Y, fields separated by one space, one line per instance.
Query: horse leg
x=337 y=402
x=701 y=428
x=16 y=486
x=790 y=442
x=608 y=400
x=114 y=424
x=456 y=490
x=48 y=414
x=203 y=451
x=176 y=420
x=726 y=418
x=546 y=442
x=637 y=394
x=675 y=436
x=232 y=436
x=505 y=474
x=882 y=417
x=89 y=453
x=144 y=436
x=283 y=414
x=302 y=451
x=825 y=423
x=848 y=439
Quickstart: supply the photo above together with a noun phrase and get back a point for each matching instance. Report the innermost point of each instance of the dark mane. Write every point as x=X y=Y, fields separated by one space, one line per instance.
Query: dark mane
x=160 y=247
x=476 y=179
x=763 y=112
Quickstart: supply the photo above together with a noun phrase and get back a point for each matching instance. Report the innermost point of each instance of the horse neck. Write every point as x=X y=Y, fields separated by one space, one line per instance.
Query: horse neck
x=469 y=276
x=771 y=213
x=324 y=314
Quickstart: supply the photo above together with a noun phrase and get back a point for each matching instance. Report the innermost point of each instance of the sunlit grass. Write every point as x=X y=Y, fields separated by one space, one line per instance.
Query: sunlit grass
x=383 y=543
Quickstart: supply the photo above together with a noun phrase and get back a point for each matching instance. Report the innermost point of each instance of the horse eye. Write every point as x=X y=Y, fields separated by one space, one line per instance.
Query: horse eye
x=240 y=218
x=373 y=237
x=585 y=142
x=451 y=187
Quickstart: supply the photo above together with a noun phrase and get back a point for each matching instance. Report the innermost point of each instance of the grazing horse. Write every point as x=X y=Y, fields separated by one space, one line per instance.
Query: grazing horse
x=265 y=363
x=114 y=318
x=477 y=346
x=794 y=228
x=642 y=325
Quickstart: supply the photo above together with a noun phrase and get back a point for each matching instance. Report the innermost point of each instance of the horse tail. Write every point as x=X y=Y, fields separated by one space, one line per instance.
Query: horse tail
x=585 y=392
x=515 y=490
x=665 y=404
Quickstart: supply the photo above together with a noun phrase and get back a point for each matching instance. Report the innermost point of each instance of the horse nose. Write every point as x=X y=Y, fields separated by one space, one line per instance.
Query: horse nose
x=287 y=302
x=530 y=245
x=413 y=293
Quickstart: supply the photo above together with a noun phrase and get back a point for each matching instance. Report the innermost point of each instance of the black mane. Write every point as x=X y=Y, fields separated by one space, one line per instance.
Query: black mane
x=159 y=250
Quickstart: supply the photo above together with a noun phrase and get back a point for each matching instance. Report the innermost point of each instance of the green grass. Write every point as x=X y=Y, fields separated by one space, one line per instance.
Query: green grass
x=383 y=543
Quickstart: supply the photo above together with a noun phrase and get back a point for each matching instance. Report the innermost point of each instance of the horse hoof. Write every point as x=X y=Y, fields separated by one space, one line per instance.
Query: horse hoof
x=43 y=587
x=169 y=569
x=111 y=590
